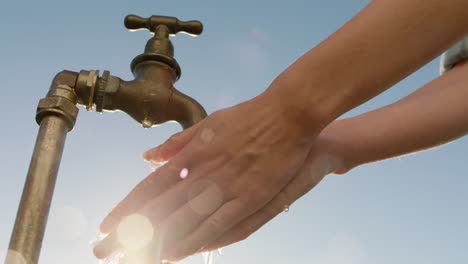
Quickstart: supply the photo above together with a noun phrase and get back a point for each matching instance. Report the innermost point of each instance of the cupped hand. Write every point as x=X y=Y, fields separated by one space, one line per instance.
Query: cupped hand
x=227 y=176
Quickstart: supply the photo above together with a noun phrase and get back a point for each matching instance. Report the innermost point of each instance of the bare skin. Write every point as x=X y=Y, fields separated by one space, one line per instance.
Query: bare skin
x=247 y=162
x=438 y=111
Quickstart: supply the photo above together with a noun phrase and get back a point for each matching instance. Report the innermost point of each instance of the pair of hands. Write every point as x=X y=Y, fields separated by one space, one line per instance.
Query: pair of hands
x=225 y=178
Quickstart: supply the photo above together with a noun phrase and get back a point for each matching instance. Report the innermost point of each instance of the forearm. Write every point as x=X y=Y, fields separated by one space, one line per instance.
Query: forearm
x=385 y=42
x=431 y=116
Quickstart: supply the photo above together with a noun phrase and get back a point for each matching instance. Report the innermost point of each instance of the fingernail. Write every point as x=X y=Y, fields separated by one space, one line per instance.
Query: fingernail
x=98 y=252
x=107 y=225
x=152 y=155
x=170 y=256
x=106 y=247
x=103 y=229
x=145 y=155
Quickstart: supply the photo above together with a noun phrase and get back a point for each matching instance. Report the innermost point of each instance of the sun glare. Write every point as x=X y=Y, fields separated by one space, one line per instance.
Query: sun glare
x=135 y=232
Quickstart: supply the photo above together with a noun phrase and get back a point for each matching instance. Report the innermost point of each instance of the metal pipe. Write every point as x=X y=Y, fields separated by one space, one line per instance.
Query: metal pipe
x=35 y=202
x=150 y=99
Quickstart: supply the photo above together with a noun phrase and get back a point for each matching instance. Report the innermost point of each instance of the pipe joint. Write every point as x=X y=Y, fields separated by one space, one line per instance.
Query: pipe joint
x=60 y=101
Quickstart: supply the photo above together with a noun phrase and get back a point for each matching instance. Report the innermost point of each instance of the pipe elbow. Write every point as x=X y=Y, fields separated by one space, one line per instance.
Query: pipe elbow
x=67 y=78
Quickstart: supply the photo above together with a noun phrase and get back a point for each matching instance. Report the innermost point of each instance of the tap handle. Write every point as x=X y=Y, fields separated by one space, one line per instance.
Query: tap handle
x=174 y=25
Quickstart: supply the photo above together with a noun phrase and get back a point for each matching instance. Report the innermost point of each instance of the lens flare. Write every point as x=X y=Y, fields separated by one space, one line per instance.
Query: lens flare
x=184 y=173
x=207 y=135
x=135 y=232
x=67 y=223
x=205 y=197
x=14 y=257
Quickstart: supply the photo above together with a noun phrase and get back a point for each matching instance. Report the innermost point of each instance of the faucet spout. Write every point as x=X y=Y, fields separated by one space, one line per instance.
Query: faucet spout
x=155 y=100
x=149 y=99
x=188 y=111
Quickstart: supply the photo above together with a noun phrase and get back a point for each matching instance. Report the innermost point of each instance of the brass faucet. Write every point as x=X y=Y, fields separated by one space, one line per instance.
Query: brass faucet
x=150 y=99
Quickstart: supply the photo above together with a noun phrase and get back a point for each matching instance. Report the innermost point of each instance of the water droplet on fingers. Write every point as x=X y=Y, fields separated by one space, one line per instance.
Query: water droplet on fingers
x=156 y=165
x=208 y=257
x=115 y=258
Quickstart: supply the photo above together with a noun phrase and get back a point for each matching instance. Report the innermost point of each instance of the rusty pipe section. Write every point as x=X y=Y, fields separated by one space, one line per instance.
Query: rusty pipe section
x=35 y=202
x=56 y=115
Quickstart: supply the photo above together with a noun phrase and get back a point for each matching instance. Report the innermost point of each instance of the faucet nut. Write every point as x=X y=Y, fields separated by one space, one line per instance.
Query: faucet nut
x=85 y=86
x=60 y=106
x=101 y=91
x=64 y=91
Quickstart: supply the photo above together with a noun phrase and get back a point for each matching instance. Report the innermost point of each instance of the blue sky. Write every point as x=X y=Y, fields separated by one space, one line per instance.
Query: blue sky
x=412 y=209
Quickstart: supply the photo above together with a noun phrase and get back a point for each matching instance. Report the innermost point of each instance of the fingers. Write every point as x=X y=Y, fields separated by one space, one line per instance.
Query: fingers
x=136 y=239
x=171 y=147
x=152 y=186
x=107 y=246
x=162 y=180
x=209 y=230
x=171 y=214
x=309 y=176
x=187 y=218
x=154 y=212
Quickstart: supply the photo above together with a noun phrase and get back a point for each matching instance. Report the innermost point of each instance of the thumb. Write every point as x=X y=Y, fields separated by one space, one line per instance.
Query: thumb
x=171 y=146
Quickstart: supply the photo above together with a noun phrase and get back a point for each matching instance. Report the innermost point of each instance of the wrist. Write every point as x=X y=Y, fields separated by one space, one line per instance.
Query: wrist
x=334 y=142
x=305 y=116
x=312 y=89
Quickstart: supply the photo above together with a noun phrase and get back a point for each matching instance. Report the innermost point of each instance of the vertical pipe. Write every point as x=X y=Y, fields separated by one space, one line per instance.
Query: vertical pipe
x=31 y=219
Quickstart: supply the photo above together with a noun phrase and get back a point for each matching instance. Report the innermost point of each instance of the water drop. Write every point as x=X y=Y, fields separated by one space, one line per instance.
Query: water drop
x=155 y=165
x=286 y=208
x=98 y=239
x=207 y=257
x=113 y=259
x=147 y=123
